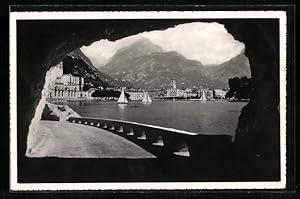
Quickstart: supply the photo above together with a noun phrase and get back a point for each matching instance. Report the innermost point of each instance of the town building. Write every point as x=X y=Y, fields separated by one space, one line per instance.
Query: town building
x=171 y=92
x=173 y=84
x=187 y=93
x=67 y=87
x=220 y=93
x=209 y=94
x=136 y=95
x=180 y=93
x=175 y=92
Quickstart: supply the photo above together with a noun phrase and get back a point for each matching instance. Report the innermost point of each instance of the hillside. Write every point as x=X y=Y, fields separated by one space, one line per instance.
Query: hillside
x=237 y=66
x=78 y=64
x=158 y=69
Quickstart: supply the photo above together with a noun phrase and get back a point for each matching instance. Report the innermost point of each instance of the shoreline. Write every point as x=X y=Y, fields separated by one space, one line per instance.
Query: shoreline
x=171 y=99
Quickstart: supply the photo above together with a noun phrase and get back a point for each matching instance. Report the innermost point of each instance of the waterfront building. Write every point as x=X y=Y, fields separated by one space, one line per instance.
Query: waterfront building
x=171 y=92
x=175 y=92
x=220 y=93
x=180 y=93
x=135 y=95
x=187 y=93
x=67 y=87
x=209 y=94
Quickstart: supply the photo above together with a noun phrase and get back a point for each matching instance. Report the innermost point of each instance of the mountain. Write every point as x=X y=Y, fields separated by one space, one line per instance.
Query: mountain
x=78 y=64
x=141 y=47
x=77 y=53
x=237 y=66
x=137 y=49
x=156 y=70
x=146 y=65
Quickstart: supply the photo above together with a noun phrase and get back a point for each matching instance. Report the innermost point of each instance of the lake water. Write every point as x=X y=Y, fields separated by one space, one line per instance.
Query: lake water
x=218 y=116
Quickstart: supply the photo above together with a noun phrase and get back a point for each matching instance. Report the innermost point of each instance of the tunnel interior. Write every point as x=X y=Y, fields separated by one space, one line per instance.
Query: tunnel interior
x=43 y=44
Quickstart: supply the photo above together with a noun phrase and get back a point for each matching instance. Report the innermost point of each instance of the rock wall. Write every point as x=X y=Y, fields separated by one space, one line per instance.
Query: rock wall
x=257 y=131
x=51 y=75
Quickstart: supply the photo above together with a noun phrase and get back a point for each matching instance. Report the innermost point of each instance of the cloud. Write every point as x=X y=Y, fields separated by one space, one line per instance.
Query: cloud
x=209 y=43
x=100 y=51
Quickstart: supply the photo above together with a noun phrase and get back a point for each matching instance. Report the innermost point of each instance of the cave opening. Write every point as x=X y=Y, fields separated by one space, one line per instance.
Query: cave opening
x=226 y=77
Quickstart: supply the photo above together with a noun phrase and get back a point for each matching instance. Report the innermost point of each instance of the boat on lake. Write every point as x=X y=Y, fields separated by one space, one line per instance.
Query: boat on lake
x=123 y=99
x=146 y=99
x=203 y=96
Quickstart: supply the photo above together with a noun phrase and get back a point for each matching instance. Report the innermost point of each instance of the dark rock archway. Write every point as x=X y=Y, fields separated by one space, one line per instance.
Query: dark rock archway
x=42 y=44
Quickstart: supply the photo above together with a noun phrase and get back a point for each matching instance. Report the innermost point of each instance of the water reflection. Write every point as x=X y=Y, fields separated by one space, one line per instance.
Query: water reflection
x=121 y=108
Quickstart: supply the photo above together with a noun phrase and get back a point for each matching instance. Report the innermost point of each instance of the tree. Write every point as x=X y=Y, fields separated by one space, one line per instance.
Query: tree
x=99 y=93
x=240 y=88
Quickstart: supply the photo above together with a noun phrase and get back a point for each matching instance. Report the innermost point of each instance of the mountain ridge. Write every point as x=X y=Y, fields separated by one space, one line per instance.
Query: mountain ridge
x=78 y=64
x=156 y=68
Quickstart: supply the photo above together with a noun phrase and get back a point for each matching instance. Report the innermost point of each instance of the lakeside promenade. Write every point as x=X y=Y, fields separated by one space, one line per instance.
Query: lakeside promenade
x=67 y=140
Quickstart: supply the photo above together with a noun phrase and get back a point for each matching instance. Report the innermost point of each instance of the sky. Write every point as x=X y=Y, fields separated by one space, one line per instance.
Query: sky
x=209 y=43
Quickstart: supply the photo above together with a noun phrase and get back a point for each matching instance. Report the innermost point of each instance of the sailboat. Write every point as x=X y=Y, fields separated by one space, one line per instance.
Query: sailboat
x=203 y=96
x=122 y=99
x=146 y=99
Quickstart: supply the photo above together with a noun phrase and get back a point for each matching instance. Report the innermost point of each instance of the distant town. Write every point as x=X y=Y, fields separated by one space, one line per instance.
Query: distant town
x=70 y=87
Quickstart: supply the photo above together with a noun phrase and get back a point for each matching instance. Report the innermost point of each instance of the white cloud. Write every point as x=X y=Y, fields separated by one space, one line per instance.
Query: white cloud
x=209 y=43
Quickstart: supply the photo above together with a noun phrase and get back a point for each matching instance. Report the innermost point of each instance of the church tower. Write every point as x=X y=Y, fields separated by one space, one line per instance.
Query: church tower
x=173 y=83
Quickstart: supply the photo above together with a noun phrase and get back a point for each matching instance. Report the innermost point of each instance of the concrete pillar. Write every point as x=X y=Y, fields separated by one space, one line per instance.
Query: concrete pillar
x=120 y=130
x=142 y=136
x=131 y=132
x=159 y=141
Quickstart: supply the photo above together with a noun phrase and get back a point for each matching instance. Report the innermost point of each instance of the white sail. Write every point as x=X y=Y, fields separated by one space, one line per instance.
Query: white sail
x=149 y=99
x=122 y=99
x=203 y=96
x=146 y=98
